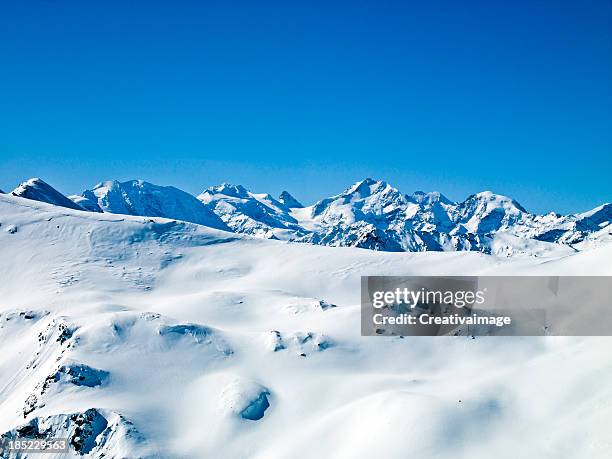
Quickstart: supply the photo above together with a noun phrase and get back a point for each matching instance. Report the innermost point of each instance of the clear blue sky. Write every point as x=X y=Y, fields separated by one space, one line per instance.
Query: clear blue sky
x=455 y=96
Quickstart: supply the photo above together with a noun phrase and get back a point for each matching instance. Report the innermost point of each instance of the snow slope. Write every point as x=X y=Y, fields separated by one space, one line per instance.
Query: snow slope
x=192 y=343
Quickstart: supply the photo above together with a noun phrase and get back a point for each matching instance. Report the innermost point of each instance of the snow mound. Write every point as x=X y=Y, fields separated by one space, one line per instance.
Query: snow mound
x=196 y=333
x=300 y=305
x=151 y=333
x=21 y=317
x=244 y=398
x=300 y=343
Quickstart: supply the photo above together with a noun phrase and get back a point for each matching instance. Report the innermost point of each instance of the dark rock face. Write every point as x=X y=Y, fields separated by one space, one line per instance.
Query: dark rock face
x=93 y=432
x=79 y=375
x=256 y=409
x=76 y=374
x=81 y=429
x=88 y=426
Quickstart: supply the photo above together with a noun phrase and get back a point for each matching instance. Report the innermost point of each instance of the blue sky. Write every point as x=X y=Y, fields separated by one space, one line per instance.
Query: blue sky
x=512 y=96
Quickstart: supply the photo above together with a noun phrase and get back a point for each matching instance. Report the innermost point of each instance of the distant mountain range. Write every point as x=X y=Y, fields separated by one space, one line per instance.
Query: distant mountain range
x=370 y=214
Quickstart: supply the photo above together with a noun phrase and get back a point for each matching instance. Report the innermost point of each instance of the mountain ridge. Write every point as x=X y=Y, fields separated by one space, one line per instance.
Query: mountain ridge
x=369 y=214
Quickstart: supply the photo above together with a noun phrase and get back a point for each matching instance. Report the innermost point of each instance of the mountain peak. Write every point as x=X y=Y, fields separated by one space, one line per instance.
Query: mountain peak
x=370 y=213
x=38 y=190
x=136 y=183
x=366 y=187
x=289 y=201
x=107 y=184
x=495 y=200
x=430 y=198
x=487 y=212
x=33 y=182
x=227 y=189
x=363 y=200
x=137 y=197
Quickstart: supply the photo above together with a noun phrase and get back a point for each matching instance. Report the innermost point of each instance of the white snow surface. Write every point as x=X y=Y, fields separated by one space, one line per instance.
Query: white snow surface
x=192 y=328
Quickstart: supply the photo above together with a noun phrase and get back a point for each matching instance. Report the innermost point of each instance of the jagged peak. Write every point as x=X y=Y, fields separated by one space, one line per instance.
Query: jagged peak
x=431 y=197
x=228 y=189
x=107 y=184
x=289 y=201
x=135 y=183
x=368 y=195
x=34 y=181
x=366 y=187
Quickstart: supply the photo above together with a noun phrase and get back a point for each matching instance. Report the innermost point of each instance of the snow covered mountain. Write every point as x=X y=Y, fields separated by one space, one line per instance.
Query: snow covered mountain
x=36 y=189
x=574 y=228
x=249 y=213
x=370 y=214
x=137 y=197
x=486 y=212
x=143 y=337
x=373 y=215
